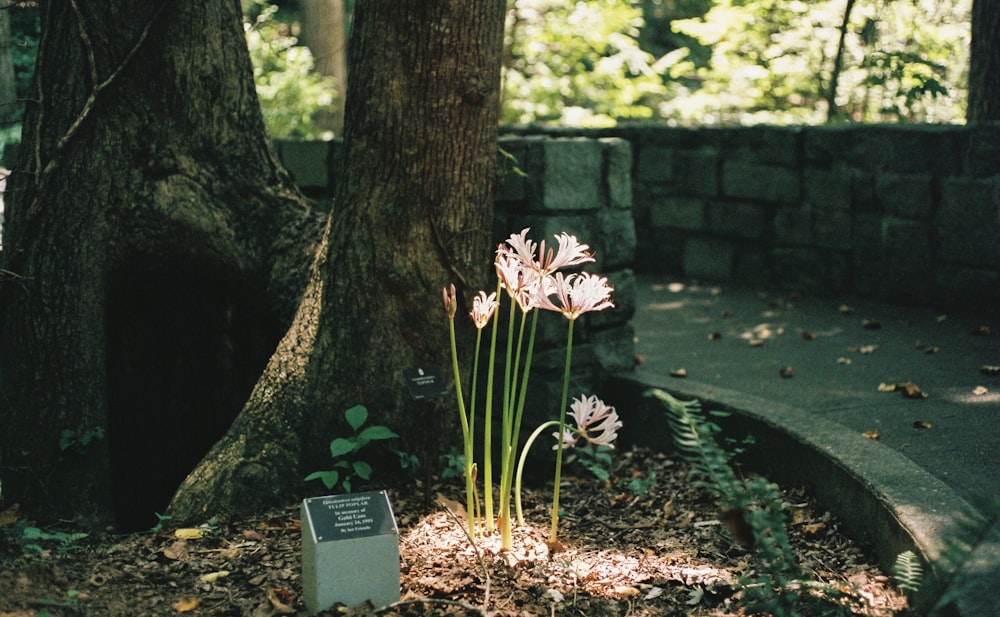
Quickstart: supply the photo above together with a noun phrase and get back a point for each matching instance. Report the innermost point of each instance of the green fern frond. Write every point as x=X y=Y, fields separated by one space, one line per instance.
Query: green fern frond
x=909 y=572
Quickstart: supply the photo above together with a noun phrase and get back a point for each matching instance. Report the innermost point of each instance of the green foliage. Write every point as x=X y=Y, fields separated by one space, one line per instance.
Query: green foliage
x=773 y=61
x=577 y=63
x=454 y=464
x=640 y=485
x=908 y=571
x=596 y=460
x=36 y=540
x=290 y=92
x=78 y=440
x=753 y=512
x=346 y=449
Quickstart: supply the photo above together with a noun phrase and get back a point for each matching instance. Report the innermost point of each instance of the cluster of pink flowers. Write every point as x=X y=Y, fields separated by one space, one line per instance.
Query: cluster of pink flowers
x=528 y=271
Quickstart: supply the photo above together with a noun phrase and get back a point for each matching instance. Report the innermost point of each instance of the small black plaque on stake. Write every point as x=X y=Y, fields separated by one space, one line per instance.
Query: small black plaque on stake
x=423 y=383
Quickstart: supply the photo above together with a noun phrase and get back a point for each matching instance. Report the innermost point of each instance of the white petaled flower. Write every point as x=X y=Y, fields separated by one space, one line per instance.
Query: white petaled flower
x=577 y=294
x=520 y=280
x=596 y=422
x=570 y=253
x=483 y=307
x=523 y=248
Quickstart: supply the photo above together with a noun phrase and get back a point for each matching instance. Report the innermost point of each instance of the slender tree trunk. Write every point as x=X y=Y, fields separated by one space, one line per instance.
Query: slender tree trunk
x=8 y=90
x=832 y=110
x=324 y=33
x=984 y=63
x=154 y=252
x=413 y=213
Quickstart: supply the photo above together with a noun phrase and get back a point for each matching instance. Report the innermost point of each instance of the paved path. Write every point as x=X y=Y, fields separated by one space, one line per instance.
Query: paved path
x=811 y=376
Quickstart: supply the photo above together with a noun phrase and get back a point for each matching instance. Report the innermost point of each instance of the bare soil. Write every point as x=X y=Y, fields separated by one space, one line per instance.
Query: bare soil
x=662 y=552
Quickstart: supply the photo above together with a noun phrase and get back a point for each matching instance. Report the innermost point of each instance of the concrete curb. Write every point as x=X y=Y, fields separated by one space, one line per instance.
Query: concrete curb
x=883 y=499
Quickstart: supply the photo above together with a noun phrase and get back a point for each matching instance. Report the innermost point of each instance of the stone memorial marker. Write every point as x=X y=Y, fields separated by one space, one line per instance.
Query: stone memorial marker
x=350 y=550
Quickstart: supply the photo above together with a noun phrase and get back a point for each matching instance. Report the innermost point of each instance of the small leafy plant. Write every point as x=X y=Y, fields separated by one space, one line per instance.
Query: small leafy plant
x=344 y=450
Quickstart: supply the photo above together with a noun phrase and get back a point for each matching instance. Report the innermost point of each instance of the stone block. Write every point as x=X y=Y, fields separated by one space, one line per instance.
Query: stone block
x=739 y=219
x=906 y=196
x=572 y=175
x=982 y=154
x=831 y=228
x=906 y=259
x=696 y=172
x=828 y=188
x=615 y=349
x=678 y=213
x=968 y=222
x=654 y=165
x=756 y=181
x=793 y=225
x=812 y=270
x=708 y=258
x=615 y=242
x=617 y=173
x=306 y=161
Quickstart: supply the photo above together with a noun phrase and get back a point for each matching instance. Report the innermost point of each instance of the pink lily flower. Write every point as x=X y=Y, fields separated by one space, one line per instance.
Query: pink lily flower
x=596 y=423
x=577 y=294
x=483 y=307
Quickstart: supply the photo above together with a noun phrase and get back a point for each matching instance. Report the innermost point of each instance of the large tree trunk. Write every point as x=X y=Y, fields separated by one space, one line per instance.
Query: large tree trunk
x=984 y=63
x=413 y=213
x=154 y=252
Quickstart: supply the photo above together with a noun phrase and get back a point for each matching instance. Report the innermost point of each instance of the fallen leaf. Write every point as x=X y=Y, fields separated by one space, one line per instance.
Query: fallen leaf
x=871 y=324
x=813 y=528
x=927 y=349
x=756 y=342
x=990 y=370
x=983 y=330
x=280 y=600
x=786 y=372
x=452 y=506
x=714 y=336
x=253 y=535
x=211 y=577
x=845 y=309
x=887 y=387
x=188 y=533
x=979 y=391
x=176 y=551
x=655 y=592
x=910 y=390
x=873 y=434
x=941 y=318
x=679 y=372
x=809 y=336
x=10 y=515
x=626 y=591
x=843 y=360
x=185 y=605
x=863 y=349
x=736 y=523
x=922 y=424
x=639 y=359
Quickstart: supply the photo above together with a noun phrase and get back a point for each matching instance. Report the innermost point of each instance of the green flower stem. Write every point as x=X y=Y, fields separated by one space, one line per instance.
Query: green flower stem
x=520 y=466
x=519 y=413
x=562 y=429
x=466 y=437
x=488 y=428
x=506 y=541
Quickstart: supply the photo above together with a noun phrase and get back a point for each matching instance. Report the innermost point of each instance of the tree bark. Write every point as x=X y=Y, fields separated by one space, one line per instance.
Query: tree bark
x=984 y=63
x=413 y=213
x=154 y=252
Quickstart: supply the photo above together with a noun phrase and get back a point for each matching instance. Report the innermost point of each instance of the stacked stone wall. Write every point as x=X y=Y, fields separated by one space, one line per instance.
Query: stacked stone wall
x=900 y=213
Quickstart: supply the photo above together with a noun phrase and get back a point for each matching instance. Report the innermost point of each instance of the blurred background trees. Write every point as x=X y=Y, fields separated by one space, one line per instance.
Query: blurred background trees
x=604 y=62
